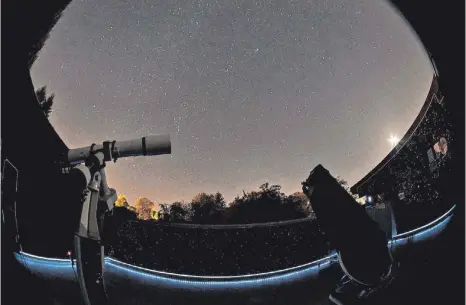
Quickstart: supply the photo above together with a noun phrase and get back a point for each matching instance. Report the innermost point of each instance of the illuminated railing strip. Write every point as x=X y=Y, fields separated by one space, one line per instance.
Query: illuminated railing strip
x=211 y=282
x=317 y=263
x=432 y=223
x=112 y=265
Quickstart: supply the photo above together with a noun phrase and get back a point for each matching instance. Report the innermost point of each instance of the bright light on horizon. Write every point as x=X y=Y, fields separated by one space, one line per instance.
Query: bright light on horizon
x=393 y=139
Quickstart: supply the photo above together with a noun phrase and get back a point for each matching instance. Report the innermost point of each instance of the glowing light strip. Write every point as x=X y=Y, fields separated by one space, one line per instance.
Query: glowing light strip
x=439 y=219
x=47 y=267
x=208 y=282
x=112 y=265
x=420 y=236
x=316 y=263
x=59 y=261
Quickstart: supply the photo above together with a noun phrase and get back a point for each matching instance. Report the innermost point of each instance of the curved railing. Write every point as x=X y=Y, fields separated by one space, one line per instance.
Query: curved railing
x=230 y=226
x=218 y=250
x=423 y=233
x=52 y=268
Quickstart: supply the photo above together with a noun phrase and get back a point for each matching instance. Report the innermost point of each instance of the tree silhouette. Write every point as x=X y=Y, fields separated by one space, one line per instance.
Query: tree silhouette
x=144 y=208
x=164 y=212
x=298 y=206
x=45 y=102
x=121 y=201
x=266 y=205
x=207 y=208
x=177 y=212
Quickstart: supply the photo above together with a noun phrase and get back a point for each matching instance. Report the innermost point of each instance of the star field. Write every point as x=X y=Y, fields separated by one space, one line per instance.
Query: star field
x=250 y=91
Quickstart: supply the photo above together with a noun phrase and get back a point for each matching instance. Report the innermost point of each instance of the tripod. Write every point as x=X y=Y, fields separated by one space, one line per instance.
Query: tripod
x=98 y=200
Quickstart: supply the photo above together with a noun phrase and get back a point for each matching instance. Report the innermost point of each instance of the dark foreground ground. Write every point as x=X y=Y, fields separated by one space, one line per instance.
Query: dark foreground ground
x=433 y=273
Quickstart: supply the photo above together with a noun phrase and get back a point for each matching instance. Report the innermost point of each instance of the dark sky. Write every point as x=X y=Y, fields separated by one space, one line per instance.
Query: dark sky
x=250 y=91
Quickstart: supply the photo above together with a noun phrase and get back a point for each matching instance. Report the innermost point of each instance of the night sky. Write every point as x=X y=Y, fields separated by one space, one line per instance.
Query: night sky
x=250 y=91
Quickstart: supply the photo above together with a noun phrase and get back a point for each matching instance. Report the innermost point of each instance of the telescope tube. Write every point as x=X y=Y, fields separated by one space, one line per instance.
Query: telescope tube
x=145 y=146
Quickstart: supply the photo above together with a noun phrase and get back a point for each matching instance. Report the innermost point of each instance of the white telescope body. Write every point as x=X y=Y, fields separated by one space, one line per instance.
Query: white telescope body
x=145 y=146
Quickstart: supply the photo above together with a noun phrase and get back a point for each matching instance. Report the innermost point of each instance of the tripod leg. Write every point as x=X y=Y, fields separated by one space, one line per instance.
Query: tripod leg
x=88 y=247
x=90 y=271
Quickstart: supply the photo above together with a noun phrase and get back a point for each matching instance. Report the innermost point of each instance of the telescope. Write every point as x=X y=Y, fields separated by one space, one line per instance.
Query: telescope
x=360 y=243
x=88 y=170
x=145 y=146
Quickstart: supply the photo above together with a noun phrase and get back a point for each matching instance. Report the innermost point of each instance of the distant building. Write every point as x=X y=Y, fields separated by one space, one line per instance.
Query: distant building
x=415 y=176
x=416 y=161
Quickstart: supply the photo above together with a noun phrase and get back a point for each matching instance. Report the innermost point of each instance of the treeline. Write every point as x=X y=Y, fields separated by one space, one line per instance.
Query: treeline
x=268 y=204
